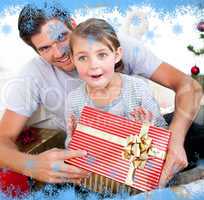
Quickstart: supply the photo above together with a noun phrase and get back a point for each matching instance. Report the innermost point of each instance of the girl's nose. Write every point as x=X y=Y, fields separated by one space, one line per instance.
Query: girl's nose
x=93 y=64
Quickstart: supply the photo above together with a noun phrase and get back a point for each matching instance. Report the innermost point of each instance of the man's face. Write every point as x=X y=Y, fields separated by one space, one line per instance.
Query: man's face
x=52 y=44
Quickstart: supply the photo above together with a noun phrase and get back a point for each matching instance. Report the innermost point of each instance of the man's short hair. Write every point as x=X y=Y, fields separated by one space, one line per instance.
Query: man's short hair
x=33 y=17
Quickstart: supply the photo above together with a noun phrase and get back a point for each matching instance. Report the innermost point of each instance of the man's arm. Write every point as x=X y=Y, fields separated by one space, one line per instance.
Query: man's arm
x=42 y=166
x=187 y=101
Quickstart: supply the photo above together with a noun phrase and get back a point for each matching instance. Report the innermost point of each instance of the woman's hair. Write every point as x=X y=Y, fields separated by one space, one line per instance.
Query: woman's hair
x=95 y=29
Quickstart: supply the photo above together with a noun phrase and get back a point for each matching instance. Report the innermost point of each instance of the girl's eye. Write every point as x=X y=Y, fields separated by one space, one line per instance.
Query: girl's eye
x=82 y=58
x=102 y=55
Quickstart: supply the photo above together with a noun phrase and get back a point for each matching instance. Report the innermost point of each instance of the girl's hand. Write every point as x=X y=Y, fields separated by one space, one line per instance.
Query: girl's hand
x=71 y=126
x=142 y=115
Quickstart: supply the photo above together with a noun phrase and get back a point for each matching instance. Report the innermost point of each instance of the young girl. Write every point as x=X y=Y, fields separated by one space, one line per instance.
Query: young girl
x=96 y=53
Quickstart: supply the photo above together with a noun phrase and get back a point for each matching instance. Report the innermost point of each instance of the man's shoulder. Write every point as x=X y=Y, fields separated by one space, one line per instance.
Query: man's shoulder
x=137 y=58
x=36 y=63
x=34 y=66
x=126 y=39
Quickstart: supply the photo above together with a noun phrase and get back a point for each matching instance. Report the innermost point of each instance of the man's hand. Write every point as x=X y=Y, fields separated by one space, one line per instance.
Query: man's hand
x=49 y=166
x=176 y=160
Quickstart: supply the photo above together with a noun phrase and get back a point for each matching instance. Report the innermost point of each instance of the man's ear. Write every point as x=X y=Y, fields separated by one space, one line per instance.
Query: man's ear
x=118 y=54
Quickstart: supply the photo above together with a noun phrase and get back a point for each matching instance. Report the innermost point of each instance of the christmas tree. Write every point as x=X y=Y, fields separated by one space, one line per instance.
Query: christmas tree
x=195 y=70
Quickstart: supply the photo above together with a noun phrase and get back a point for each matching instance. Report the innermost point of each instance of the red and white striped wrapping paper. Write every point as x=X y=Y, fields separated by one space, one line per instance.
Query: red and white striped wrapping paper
x=104 y=157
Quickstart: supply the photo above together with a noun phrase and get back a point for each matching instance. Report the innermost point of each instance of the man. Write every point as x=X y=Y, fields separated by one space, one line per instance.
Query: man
x=47 y=79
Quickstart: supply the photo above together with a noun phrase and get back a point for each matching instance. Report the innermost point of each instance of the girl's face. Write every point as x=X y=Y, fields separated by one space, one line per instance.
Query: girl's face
x=94 y=61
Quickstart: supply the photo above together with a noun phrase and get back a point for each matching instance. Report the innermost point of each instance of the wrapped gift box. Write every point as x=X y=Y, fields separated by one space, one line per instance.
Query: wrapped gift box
x=119 y=149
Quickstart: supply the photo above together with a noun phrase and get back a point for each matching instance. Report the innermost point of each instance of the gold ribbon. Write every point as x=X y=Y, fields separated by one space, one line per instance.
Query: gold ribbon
x=136 y=149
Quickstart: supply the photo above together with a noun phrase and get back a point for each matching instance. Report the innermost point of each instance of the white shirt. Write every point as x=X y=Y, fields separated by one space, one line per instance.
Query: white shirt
x=40 y=83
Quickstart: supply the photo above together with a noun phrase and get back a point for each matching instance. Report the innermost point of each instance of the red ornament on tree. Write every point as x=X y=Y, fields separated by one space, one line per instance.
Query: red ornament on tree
x=195 y=70
x=200 y=26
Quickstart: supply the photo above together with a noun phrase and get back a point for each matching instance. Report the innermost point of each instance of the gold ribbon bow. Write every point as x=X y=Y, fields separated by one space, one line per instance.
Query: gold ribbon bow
x=137 y=150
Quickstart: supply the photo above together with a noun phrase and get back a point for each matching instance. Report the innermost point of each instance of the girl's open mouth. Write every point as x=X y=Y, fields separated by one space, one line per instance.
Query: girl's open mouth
x=96 y=76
